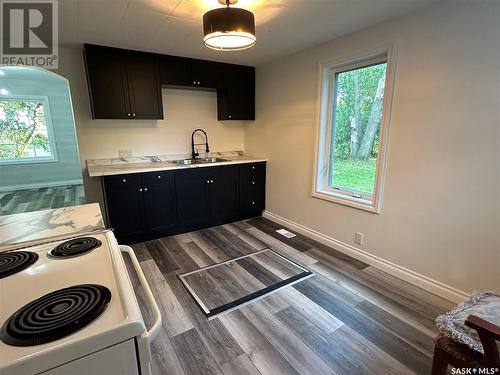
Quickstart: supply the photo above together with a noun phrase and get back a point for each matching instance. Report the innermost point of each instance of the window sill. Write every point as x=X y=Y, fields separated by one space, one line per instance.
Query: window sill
x=28 y=161
x=359 y=203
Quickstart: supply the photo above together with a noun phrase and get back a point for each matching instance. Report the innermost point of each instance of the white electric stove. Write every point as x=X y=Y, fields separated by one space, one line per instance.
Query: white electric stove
x=68 y=307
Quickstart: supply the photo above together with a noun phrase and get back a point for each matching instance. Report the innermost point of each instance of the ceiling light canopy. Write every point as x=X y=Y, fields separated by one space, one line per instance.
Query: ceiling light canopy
x=229 y=29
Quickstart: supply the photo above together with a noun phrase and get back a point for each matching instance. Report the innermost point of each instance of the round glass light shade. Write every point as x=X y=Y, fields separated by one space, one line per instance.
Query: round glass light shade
x=229 y=29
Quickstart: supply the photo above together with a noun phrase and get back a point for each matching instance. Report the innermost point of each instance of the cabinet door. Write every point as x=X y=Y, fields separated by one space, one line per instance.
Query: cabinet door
x=143 y=77
x=159 y=204
x=223 y=195
x=176 y=71
x=236 y=99
x=252 y=189
x=207 y=74
x=192 y=188
x=107 y=82
x=125 y=208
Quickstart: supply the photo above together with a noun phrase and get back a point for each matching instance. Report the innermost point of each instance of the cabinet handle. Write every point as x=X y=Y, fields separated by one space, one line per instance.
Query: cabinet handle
x=199 y=83
x=229 y=116
x=194 y=82
x=124 y=180
x=211 y=181
x=253 y=182
x=253 y=202
x=140 y=189
x=145 y=189
x=159 y=177
x=253 y=166
x=133 y=114
x=208 y=181
x=128 y=114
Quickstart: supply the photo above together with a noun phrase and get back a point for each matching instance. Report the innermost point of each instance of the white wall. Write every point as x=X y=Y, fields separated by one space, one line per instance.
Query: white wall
x=185 y=110
x=441 y=204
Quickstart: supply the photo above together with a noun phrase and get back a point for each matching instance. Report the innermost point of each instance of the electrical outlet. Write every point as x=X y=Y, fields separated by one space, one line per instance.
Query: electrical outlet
x=358 y=238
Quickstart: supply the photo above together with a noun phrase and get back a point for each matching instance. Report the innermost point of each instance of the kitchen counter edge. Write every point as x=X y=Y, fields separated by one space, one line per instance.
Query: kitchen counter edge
x=125 y=168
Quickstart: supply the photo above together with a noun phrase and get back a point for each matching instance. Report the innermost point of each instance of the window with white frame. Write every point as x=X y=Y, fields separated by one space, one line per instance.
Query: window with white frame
x=352 y=137
x=26 y=134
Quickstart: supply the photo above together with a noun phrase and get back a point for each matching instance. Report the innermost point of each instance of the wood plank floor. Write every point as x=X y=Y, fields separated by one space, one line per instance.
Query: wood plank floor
x=349 y=318
x=19 y=201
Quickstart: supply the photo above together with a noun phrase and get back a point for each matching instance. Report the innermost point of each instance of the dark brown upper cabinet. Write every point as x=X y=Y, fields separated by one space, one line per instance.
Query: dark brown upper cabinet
x=236 y=95
x=235 y=84
x=123 y=84
x=183 y=71
x=176 y=71
x=127 y=84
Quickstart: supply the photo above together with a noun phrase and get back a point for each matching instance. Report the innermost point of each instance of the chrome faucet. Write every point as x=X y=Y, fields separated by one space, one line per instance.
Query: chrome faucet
x=194 y=152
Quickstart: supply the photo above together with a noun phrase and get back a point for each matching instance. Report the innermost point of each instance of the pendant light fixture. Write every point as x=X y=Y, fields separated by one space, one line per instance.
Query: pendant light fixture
x=229 y=29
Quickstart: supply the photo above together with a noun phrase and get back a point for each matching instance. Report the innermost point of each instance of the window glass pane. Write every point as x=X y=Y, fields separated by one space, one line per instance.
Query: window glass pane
x=23 y=130
x=357 y=113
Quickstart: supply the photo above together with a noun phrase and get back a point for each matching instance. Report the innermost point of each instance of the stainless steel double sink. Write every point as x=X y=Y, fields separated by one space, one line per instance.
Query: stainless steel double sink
x=197 y=161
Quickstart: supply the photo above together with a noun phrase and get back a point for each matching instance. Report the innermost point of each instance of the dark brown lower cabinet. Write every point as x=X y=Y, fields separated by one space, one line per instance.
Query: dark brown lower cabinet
x=141 y=206
x=144 y=206
x=252 y=189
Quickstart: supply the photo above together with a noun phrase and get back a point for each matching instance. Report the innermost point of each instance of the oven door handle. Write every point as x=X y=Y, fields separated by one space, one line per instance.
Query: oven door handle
x=156 y=327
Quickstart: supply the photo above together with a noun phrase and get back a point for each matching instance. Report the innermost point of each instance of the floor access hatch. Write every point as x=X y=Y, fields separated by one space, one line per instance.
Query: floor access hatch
x=228 y=285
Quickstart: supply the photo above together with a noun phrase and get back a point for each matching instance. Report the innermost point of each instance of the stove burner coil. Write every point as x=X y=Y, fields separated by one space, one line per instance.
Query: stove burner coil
x=15 y=261
x=55 y=315
x=75 y=247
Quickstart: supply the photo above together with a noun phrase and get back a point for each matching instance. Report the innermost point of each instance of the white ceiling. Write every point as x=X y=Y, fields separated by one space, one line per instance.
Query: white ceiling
x=175 y=27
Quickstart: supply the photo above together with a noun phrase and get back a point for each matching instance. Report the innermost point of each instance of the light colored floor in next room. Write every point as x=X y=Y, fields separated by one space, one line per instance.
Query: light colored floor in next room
x=16 y=202
x=349 y=318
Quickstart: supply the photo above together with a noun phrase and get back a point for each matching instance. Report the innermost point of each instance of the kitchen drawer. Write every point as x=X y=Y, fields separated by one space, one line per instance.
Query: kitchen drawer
x=194 y=173
x=123 y=181
x=253 y=171
x=251 y=204
x=155 y=178
x=253 y=183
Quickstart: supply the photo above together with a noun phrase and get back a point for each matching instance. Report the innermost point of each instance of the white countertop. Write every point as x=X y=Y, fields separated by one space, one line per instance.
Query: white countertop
x=115 y=166
x=40 y=225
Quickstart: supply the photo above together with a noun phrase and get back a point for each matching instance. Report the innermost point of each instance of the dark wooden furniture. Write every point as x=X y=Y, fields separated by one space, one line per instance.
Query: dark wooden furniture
x=236 y=96
x=183 y=71
x=235 y=84
x=206 y=196
x=143 y=206
x=449 y=352
x=252 y=189
x=125 y=84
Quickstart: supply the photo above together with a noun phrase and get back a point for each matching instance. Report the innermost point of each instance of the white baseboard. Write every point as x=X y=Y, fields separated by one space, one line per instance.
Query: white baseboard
x=405 y=274
x=40 y=185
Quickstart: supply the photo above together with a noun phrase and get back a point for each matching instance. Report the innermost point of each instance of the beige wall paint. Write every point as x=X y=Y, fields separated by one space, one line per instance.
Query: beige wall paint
x=185 y=110
x=441 y=203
